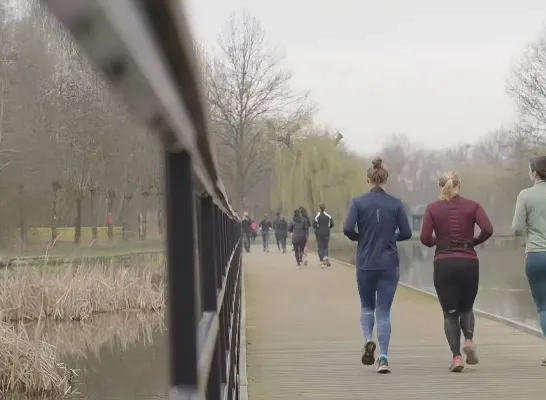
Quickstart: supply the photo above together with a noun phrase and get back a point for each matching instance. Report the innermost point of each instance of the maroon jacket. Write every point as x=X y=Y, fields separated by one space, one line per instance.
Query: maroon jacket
x=453 y=223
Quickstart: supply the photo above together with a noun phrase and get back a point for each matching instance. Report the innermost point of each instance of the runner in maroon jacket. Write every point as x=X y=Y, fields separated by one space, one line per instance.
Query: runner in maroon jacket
x=456 y=265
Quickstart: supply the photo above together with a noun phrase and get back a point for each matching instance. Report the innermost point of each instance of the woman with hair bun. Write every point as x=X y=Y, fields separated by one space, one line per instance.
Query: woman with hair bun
x=378 y=216
x=456 y=265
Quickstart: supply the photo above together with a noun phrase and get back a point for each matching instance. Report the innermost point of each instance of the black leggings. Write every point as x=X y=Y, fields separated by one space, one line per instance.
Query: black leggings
x=299 y=247
x=456 y=282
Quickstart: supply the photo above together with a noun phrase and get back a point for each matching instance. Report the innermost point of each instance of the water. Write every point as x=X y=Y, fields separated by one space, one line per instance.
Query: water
x=123 y=356
x=504 y=290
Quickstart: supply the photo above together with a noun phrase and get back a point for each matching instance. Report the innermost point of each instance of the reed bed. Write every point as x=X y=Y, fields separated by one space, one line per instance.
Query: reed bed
x=30 y=368
x=76 y=292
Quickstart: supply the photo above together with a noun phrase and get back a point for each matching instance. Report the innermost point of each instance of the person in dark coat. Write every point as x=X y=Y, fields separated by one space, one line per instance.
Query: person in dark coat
x=246 y=225
x=299 y=227
x=265 y=225
x=281 y=232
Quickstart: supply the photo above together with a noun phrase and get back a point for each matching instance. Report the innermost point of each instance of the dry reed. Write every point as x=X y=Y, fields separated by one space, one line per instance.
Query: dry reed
x=77 y=292
x=30 y=367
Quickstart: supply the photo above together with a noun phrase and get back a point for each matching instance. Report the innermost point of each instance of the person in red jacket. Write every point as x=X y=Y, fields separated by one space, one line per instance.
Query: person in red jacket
x=456 y=266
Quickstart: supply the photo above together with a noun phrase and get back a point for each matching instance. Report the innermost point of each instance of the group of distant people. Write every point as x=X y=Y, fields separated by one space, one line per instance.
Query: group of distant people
x=377 y=220
x=298 y=228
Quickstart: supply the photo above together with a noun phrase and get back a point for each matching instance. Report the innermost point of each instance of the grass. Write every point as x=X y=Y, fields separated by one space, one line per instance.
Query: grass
x=30 y=368
x=92 y=293
x=98 y=249
x=75 y=293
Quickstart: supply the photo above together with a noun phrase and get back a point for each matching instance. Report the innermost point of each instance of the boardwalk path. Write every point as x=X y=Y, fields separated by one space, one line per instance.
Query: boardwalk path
x=304 y=342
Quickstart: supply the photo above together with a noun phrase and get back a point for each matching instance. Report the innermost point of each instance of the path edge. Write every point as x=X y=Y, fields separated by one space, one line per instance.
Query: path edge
x=243 y=378
x=497 y=318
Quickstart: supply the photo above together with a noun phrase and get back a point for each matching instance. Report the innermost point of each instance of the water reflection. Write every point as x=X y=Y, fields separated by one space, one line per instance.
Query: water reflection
x=121 y=356
x=504 y=290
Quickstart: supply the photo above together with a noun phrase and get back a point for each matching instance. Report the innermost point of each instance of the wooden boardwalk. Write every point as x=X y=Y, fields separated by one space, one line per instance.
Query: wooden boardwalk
x=304 y=342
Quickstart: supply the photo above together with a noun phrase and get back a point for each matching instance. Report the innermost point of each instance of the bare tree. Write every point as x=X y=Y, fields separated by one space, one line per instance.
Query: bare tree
x=246 y=87
x=527 y=86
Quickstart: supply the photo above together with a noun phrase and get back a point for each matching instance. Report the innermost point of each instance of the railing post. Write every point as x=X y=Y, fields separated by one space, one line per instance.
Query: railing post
x=182 y=273
x=208 y=258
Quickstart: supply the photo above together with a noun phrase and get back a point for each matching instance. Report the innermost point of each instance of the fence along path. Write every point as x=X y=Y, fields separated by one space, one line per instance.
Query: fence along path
x=304 y=341
x=145 y=50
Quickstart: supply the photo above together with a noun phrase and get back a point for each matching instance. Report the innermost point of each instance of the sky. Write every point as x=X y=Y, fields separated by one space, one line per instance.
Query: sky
x=432 y=70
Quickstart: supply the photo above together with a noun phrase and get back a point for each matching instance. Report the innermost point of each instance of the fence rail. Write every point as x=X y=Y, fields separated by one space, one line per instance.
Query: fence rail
x=144 y=49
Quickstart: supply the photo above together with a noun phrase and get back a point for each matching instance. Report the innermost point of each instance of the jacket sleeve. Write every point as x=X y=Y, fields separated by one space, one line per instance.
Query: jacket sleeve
x=520 y=215
x=486 y=228
x=426 y=230
x=290 y=226
x=350 y=223
x=404 y=229
x=314 y=224
x=331 y=222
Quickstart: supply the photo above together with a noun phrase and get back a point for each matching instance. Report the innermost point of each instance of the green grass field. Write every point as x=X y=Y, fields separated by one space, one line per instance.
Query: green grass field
x=97 y=250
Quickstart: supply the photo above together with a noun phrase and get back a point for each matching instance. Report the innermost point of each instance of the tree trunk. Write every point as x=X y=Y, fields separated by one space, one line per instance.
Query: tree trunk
x=93 y=206
x=146 y=196
x=159 y=215
x=110 y=219
x=54 y=217
x=22 y=222
x=78 y=224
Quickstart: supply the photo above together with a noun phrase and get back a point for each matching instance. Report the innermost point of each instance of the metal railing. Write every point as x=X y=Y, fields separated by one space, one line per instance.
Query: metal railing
x=145 y=50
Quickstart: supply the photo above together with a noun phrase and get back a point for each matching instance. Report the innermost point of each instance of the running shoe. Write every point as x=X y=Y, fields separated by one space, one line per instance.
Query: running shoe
x=383 y=365
x=327 y=261
x=543 y=362
x=368 y=357
x=456 y=365
x=322 y=264
x=469 y=349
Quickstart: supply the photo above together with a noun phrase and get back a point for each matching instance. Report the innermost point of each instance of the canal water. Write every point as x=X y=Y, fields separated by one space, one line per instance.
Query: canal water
x=504 y=290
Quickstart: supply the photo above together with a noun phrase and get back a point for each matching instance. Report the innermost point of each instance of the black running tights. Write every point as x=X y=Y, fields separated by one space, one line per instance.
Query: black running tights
x=456 y=282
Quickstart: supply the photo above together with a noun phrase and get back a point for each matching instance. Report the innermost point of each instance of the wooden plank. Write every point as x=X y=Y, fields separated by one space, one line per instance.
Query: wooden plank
x=304 y=341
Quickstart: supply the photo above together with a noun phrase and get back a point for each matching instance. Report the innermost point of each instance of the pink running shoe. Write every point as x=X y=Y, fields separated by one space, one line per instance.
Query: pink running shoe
x=456 y=365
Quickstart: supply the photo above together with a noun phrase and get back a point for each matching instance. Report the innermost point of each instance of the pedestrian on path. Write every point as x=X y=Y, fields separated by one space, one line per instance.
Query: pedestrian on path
x=304 y=215
x=281 y=232
x=299 y=229
x=456 y=265
x=246 y=226
x=378 y=216
x=265 y=226
x=322 y=223
x=530 y=219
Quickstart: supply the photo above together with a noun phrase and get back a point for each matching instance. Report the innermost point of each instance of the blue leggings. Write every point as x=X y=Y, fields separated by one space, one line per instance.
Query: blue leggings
x=376 y=290
x=535 y=267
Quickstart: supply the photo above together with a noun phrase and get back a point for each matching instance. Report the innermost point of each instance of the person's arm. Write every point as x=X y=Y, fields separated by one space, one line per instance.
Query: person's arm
x=314 y=223
x=331 y=222
x=426 y=230
x=520 y=215
x=404 y=229
x=486 y=228
x=290 y=226
x=350 y=223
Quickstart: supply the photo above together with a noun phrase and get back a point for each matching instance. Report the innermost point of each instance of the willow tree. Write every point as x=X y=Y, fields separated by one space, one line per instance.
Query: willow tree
x=315 y=170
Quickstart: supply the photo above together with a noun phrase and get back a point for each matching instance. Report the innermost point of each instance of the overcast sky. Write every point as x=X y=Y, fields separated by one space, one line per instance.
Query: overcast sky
x=434 y=70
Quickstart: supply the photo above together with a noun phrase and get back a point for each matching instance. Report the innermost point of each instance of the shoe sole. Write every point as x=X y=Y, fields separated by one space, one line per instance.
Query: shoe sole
x=368 y=358
x=471 y=354
x=383 y=370
x=458 y=368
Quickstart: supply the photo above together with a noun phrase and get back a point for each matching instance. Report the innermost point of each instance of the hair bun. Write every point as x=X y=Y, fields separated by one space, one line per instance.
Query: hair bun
x=377 y=163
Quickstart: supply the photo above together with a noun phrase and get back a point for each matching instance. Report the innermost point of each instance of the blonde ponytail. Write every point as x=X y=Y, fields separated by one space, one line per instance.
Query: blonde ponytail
x=449 y=186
